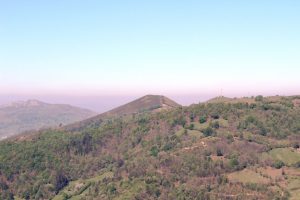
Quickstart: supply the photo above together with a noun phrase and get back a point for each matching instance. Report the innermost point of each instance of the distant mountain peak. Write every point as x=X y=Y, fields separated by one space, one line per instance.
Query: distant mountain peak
x=163 y=102
x=147 y=103
x=27 y=103
x=33 y=102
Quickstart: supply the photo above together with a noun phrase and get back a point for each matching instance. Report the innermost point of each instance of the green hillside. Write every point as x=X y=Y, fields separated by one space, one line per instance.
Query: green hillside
x=222 y=149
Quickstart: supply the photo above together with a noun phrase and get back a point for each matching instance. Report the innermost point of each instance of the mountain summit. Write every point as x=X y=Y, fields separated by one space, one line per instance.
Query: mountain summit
x=148 y=103
x=19 y=104
x=145 y=103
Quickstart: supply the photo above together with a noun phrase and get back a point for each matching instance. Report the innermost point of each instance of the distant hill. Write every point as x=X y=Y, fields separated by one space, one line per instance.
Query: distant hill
x=21 y=116
x=148 y=103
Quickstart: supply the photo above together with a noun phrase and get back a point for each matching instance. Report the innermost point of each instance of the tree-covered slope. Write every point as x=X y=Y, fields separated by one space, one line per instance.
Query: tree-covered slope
x=216 y=150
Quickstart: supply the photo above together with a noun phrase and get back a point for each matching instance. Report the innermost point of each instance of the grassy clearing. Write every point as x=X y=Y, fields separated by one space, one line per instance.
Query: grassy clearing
x=247 y=176
x=198 y=126
x=223 y=123
x=195 y=133
x=129 y=189
x=286 y=155
x=294 y=187
x=271 y=172
x=191 y=133
x=180 y=132
x=76 y=189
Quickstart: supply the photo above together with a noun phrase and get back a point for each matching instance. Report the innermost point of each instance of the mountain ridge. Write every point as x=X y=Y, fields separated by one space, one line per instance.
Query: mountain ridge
x=145 y=103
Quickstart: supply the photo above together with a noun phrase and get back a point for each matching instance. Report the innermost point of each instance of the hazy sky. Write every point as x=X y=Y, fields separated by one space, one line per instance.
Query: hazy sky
x=131 y=48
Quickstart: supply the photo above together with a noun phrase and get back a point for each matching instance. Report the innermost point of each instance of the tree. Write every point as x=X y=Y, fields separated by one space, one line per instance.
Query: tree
x=259 y=98
x=61 y=181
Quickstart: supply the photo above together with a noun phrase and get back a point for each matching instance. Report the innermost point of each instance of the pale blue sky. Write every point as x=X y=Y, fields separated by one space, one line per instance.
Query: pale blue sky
x=68 y=47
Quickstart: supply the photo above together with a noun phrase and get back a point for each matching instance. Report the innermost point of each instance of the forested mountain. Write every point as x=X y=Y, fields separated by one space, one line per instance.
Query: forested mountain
x=223 y=149
x=21 y=116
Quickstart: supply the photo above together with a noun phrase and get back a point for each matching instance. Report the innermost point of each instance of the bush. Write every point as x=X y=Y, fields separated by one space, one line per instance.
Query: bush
x=250 y=119
x=208 y=131
x=233 y=163
x=278 y=164
x=192 y=117
x=219 y=152
x=266 y=106
x=168 y=146
x=259 y=98
x=60 y=182
x=191 y=127
x=297 y=164
x=215 y=125
x=215 y=116
x=111 y=189
x=202 y=119
x=154 y=151
x=296 y=145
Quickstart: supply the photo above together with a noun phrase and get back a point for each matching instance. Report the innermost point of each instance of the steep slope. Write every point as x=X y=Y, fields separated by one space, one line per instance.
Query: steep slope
x=148 y=103
x=220 y=150
x=21 y=116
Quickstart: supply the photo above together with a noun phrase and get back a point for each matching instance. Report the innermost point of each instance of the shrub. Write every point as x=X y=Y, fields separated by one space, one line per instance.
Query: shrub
x=233 y=163
x=259 y=98
x=215 y=125
x=168 y=146
x=215 y=116
x=296 y=145
x=154 y=151
x=60 y=182
x=219 y=152
x=208 y=131
x=250 y=119
x=191 y=126
x=202 y=119
x=297 y=164
x=111 y=189
x=192 y=117
x=278 y=164
x=266 y=106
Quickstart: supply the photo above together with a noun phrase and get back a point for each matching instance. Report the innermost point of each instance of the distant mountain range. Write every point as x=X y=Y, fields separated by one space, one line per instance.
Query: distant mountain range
x=26 y=116
x=17 y=117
